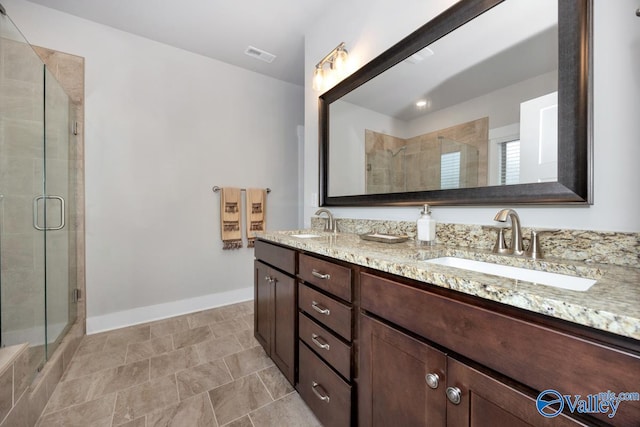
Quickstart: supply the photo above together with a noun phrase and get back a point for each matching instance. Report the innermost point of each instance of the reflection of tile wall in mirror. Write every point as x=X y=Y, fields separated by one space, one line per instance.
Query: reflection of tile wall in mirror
x=383 y=163
x=395 y=164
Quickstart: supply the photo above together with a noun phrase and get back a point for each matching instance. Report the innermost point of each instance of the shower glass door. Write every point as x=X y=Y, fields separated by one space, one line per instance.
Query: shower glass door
x=22 y=153
x=58 y=191
x=37 y=188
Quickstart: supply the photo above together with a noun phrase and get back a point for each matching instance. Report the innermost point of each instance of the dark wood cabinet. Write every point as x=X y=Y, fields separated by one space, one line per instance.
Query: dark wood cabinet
x=515 y=360
x=284 y=321
x=335 y=351
x=485 y=400
x=324 y=391
x=325 y=296
x=326 y=310
x=404 y=381
x=393 y=387
x=262 y=305
x=275 y=305
x=368 y=348
x=326 y=275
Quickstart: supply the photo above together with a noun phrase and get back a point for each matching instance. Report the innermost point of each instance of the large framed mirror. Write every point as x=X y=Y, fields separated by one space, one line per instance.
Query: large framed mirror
x=488 y=103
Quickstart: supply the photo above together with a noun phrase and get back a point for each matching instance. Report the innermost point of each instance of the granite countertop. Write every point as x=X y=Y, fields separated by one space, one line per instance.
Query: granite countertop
x=612 y=304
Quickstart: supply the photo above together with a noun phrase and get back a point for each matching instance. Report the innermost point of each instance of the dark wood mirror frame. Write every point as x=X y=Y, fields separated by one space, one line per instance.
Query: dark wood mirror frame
x=575 y=163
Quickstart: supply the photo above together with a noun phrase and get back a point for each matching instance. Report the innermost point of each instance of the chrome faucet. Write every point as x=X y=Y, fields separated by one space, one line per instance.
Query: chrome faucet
x=516 y=231
x=330 y=225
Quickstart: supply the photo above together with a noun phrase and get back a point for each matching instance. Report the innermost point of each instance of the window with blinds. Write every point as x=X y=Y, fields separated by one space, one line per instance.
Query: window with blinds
x=450 y=170
x=510 y=162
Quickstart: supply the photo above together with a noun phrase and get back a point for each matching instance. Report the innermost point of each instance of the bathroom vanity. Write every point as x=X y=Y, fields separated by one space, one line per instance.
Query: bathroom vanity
x=275 y=304
x=382 y=337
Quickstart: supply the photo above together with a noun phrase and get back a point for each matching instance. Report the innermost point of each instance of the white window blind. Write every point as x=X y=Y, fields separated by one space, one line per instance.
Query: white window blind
x=450 y=170
x=510 y=162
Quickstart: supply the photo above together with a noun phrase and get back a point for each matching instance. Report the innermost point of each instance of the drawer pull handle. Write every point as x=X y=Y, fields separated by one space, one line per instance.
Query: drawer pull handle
x=268 y=279
x=324 y=396
x=320 y=309
x=316 y=273
x=317 y=342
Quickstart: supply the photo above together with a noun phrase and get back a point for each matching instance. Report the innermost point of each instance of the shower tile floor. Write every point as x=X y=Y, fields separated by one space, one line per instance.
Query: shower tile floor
x=200 y=369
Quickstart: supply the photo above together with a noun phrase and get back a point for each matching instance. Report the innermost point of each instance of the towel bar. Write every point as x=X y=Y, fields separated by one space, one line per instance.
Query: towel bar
x=216 y=189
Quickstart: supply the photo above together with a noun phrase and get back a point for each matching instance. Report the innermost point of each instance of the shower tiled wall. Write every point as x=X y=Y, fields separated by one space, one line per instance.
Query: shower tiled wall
x=398 y=165
x=21 y=401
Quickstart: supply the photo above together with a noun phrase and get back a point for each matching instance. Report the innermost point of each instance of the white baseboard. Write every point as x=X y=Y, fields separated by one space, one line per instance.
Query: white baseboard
x=121 y=319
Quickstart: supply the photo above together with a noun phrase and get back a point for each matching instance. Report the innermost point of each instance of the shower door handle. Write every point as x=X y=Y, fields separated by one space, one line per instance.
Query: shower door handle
x=35 y=213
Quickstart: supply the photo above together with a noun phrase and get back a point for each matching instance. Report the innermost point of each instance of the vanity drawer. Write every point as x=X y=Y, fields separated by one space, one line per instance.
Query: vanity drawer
x=535 y=355
x=277 y=256
x=331 y=349
x=326 y=275
x=328 y=395
x=326 y=310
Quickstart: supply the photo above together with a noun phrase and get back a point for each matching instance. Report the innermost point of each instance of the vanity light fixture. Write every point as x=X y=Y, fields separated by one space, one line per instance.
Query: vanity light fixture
x=337 y=60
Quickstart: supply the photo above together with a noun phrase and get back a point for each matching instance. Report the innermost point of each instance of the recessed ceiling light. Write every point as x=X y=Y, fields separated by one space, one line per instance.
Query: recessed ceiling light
x=260 y=54
x=422 y=103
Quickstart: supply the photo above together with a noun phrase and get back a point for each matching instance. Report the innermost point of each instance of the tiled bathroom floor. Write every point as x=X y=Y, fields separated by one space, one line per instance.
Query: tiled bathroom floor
x=201 y=369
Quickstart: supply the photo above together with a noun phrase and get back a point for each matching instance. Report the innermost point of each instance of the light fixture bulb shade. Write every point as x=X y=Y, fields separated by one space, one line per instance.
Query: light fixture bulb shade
x=340 y=61
x=318 y=79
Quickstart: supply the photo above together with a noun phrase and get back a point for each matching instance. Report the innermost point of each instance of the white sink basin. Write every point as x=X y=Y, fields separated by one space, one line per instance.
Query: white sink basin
x=556 y=280
x=305 y=236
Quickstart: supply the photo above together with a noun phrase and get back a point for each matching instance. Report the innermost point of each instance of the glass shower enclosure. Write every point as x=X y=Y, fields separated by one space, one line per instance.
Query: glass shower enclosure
x=37 y=203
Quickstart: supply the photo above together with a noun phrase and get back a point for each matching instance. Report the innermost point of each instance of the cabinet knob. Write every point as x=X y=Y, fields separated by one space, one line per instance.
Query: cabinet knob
x=433 y=380
x=454 y=395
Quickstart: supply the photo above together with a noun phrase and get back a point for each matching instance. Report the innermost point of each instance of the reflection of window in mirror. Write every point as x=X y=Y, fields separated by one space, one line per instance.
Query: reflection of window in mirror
x=509 y=162
x=502 y=140
x=450 y=170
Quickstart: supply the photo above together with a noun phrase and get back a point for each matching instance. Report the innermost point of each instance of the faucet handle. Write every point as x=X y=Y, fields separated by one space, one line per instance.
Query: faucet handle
x=500 y=246
x=534 y=251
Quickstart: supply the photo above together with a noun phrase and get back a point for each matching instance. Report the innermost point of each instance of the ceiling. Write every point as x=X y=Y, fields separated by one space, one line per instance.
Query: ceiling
x=509 y=44
x=214 y=28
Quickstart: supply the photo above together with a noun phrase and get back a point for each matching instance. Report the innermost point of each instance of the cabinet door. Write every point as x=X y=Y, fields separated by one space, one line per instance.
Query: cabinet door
x=283 y=339
x=262 y=305
x=486 y=401
x=393 y=389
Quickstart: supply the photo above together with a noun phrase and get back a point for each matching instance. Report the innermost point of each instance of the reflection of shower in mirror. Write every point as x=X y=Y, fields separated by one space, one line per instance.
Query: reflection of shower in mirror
x=398 y=151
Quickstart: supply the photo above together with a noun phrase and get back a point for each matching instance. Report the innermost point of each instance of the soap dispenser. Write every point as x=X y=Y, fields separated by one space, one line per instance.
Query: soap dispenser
x=426 y=227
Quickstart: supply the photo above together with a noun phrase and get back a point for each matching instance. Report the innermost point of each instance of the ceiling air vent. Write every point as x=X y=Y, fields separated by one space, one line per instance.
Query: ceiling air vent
x=260 y=54
x=419 y=56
